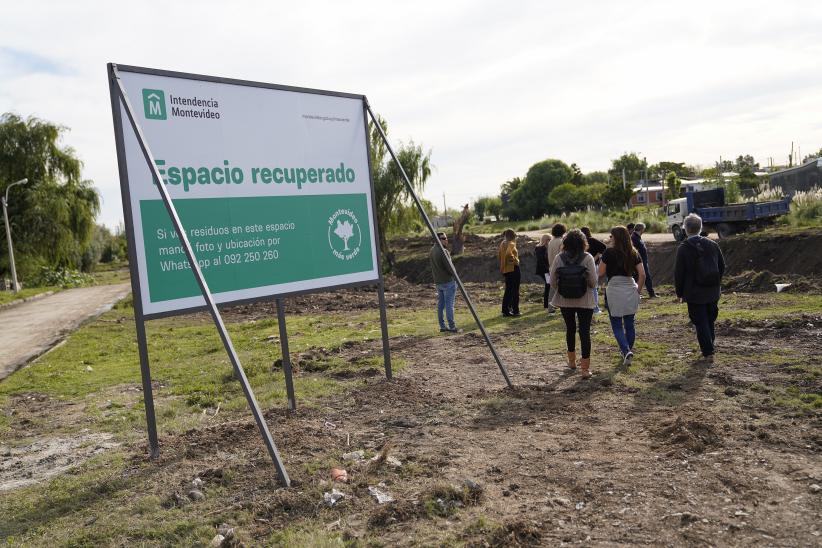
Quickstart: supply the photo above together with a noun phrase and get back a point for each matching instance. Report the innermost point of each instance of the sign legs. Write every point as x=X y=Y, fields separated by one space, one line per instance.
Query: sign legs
x=386 y=348
x=289 y=378
x=148 y=393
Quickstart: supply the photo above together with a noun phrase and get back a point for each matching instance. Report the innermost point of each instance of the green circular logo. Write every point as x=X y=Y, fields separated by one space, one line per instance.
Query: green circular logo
x=344 y=234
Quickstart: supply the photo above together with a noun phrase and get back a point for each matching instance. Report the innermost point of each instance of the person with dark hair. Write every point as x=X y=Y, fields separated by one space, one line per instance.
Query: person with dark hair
x=509 y=266
x=446 y=284
x=573 y=274
x=636 y=239
x=630 y=227
x=697 y=277
x=621 y=264
x=596 y=249
x=541 y=255
x=554 y=247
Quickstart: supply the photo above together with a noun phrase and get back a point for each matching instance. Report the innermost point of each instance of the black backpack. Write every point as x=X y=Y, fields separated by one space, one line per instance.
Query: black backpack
x=572 y=278
x=706 y=267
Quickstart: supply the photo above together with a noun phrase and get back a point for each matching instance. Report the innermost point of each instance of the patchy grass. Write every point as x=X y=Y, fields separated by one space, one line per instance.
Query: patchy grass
x=7 y=297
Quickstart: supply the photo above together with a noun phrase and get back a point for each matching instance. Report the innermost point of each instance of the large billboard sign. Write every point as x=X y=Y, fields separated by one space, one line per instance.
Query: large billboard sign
x=271 y=184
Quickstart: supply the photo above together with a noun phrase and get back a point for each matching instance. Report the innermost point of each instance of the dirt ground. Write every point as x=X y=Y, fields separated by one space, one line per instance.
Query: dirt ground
x=554 y=460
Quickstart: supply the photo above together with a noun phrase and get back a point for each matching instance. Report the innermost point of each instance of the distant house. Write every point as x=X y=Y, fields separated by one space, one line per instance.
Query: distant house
x=653 y=194
x=442 y=221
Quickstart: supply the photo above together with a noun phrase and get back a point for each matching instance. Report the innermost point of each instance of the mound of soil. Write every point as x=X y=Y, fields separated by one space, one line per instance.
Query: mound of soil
x=790 y=259
x=766 y=281
x=793 y=258
x=691 y=435
x=478 y=262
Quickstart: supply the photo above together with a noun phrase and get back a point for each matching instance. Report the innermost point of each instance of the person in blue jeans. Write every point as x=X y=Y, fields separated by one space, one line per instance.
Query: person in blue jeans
x=446 y=284
x=622 y=265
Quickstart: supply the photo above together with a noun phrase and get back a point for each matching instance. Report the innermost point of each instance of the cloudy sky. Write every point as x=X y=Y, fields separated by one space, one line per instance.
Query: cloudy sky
x=489 y=87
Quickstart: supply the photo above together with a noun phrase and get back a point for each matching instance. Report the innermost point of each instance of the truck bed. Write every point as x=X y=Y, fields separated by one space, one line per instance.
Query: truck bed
x=743 y=212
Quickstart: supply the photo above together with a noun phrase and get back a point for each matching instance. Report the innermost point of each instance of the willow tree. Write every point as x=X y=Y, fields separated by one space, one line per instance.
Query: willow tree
x=396 y=211
x=52 y=217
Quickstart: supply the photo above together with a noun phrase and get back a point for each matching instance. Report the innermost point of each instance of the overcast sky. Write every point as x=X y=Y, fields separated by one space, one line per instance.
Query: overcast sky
x=489 y=87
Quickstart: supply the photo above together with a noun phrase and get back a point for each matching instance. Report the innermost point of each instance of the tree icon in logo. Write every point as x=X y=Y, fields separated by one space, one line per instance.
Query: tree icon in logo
x=344 y=230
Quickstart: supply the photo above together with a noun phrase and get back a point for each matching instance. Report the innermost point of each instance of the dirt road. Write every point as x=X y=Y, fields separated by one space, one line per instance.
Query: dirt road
x=28 y=330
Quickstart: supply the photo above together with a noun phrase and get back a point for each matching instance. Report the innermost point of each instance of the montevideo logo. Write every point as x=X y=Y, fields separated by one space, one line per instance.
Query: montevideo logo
x=154 y=104
x=344 y=234
x=203 y=108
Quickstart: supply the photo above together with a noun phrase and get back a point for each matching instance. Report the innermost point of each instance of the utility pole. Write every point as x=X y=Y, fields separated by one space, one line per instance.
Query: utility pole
x=444 y=208
x=8 y=233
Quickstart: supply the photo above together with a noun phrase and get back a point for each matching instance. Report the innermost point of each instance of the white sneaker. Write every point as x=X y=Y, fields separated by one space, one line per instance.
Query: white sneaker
x=626 y=361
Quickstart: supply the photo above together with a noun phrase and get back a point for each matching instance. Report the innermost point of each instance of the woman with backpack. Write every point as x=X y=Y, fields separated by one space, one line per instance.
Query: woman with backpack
x=622 y=265
x=574 y=274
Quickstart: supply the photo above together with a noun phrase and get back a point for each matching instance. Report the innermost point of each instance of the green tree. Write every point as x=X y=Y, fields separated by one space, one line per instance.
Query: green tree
x=746 y=161
x=631 y=165
x=673 y=185
x=530 y=199
x=662 y=169
x=480 y=206
x=567 y=197
x=494 y=206
x=747 y=178
x=595 y=177
x=577 y=177
x=52 y=217
x=395 y=208
x=615 y=196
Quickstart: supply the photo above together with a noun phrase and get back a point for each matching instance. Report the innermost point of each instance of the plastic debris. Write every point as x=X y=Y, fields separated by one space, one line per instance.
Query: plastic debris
x=382 y=496
x=339 y=474
x=394 y=461
x=356 y=456
x=781 y=287
x=333 y=497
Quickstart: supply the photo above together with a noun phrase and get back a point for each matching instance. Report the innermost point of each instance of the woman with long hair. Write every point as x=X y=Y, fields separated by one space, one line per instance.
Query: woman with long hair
x=622 y=266
x=574 y=274
x=509 y=267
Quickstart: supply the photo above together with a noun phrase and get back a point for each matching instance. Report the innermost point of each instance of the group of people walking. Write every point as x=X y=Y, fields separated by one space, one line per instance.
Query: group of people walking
x=572 y=265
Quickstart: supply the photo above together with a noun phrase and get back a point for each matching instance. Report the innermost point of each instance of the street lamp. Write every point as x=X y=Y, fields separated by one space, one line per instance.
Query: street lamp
x=8 y=231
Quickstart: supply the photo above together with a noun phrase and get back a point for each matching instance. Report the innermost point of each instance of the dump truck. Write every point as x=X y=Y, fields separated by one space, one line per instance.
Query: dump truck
x=725 y=219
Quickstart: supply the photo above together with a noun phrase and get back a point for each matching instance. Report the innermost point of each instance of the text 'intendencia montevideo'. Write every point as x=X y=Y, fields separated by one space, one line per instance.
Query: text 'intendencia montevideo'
x=192 y=176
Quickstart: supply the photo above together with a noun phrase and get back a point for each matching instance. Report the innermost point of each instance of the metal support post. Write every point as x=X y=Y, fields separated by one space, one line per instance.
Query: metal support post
x=195 y=267
x=148 y=392
x=433 y=231
x=289 y=377
x=386 y=348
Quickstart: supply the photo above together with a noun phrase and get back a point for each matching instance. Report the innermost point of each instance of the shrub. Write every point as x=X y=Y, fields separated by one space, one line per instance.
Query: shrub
x=806 y=208
x=61 y=277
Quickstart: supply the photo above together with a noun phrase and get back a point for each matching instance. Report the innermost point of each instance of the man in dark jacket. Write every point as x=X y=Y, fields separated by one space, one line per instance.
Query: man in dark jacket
x=446 y=284
x=636 y=239
x=697 y=277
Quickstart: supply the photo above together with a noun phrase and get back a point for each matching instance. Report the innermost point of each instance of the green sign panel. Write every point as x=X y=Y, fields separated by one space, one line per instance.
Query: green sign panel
x=244 y=243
